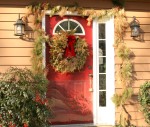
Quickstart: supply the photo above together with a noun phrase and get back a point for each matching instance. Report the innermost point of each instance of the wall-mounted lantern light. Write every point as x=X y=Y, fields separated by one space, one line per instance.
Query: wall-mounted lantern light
x=135 y=27
x=19 y=27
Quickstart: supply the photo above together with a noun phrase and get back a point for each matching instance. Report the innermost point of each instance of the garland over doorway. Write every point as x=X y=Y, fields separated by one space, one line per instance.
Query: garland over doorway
x=124 y=71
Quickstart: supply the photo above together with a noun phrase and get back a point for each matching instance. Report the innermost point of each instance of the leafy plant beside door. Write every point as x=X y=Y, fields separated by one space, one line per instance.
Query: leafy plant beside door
x=23 y=102
x=144 y=100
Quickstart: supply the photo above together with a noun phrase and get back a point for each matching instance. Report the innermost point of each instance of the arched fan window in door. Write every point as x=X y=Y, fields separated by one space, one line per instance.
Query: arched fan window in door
x=68 y=25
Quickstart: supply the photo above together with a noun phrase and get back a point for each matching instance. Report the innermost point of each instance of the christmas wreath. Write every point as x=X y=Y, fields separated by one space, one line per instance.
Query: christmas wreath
x=68 y=52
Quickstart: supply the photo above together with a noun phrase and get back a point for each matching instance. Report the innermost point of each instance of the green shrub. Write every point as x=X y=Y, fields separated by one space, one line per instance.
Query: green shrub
x=144 y=100
x=23 y=101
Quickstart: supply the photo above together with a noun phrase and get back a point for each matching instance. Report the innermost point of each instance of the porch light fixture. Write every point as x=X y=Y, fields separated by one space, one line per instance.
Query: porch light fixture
x=19 y=27
x=135 y=27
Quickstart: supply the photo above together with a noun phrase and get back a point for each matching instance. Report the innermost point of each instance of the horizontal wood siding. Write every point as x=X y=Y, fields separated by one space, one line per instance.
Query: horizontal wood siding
x=14 y=51
x=140 y=58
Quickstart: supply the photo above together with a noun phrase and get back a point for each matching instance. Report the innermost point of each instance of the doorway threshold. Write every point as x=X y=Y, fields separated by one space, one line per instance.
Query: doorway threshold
x=81 y=125
x=74 y=125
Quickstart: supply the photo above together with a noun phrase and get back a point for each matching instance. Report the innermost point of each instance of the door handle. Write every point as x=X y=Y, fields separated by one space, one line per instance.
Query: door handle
x=91 y=82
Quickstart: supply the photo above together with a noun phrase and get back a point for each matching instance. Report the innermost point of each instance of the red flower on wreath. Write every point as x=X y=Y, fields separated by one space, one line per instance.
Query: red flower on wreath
x=70 y=50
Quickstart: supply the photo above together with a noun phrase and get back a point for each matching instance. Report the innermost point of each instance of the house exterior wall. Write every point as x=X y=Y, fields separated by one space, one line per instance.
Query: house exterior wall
x=13 y=51
x=140 y=59
x=17 y=52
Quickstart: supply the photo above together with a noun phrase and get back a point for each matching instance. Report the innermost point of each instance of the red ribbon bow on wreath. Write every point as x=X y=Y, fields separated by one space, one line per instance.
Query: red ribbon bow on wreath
x=70 y=50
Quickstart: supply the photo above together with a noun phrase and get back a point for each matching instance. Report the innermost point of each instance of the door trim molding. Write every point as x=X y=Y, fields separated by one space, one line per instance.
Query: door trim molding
x=95 y=29
x=110 y=25
x=43 y=44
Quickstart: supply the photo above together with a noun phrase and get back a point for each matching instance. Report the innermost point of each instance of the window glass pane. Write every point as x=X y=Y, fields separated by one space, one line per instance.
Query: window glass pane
x=102 y=48
x=57 y=29
x=102 y=81
x=73 y=25
x=102 y=64
x=102 y=98
x=64 y=25
x=102 y=31
x=79 y=30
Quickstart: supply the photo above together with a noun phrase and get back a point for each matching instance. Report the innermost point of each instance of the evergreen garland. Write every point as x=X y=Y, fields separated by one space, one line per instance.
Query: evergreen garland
x=125 y=71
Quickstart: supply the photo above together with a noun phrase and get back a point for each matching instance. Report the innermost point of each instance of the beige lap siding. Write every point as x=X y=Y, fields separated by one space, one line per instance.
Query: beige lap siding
x=13 y=50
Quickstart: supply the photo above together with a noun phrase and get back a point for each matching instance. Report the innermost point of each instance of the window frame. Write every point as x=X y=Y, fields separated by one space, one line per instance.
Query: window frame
x=64 y=20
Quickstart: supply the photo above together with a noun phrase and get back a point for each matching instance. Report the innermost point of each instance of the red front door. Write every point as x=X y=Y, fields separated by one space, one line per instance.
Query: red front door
x=70 y=92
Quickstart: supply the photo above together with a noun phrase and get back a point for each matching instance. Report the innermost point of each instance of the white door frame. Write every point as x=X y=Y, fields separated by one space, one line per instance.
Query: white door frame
x=109 y=73
x=111 y=41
